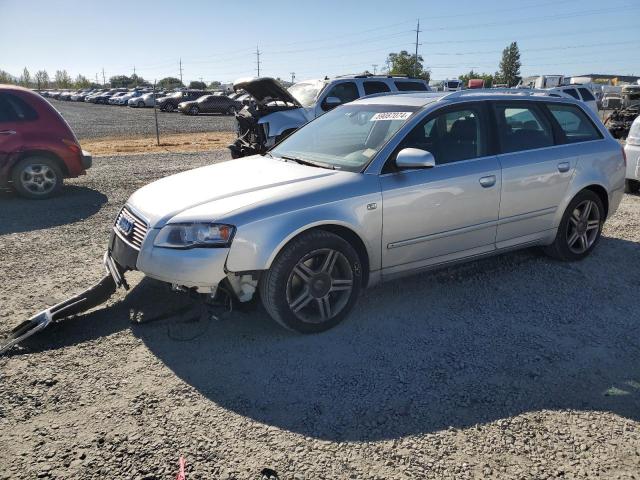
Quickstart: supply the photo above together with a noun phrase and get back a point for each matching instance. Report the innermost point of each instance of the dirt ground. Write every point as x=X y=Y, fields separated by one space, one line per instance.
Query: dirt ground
x=515 y=367
x=176 y=142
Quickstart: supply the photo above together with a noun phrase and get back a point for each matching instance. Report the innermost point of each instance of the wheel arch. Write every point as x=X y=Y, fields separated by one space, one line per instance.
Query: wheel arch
x=601 y=192
x=42 y=153
x=345 y=231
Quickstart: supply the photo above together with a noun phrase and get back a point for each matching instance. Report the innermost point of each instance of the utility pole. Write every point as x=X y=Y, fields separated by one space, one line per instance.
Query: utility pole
x=134 y=74
x=258 y=59
x=417 y=37
x=181 y=70
x=375 y=67
x=104 y=82
x=293 y=77
x=97 y=83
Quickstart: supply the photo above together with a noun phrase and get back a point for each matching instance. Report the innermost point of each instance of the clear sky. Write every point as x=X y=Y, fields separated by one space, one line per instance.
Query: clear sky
x=217 y=40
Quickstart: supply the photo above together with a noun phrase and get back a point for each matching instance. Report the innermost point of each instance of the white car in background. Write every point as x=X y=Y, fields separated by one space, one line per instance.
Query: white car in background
x=579 y=92
x=144 y=100
x=632 y=152
x=124 y=99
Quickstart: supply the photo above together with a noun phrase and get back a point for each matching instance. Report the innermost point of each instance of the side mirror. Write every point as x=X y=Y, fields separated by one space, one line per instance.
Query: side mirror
x=415 y=158
x=331 y=102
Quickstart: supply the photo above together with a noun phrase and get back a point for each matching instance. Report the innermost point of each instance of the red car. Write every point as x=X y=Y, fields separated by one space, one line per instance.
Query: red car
x=37 y=147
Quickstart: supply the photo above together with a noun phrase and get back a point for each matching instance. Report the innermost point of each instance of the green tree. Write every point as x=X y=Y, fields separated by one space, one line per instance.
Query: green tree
x=6 y=77
x=404 y=63
x=42 y=79
x=487 y=77
x=119 y=81
x=25 y=78
x=197 y=85
x=62 y=79
x=169 y=83
x=81 y=82
x=509 y=69
x=215 y=84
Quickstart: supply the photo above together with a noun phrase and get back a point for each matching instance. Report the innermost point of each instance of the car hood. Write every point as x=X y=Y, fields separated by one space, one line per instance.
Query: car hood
x=217 y=190
x=265 y=90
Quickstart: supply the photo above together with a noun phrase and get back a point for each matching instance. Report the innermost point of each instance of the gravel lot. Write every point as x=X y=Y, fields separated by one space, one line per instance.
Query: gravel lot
x=89 y=120
x=511 y=367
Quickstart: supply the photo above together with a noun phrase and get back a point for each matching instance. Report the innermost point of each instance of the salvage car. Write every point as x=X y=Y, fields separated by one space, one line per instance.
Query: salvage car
x=211 y=104
x=144 y=100
x=170 y=103
x=632 y=151
x=620 y=120
x=455 y=176
x=273 y=112
x=37 y=147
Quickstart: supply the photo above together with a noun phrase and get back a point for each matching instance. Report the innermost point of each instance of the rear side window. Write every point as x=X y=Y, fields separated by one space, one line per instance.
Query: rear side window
x=15 y=109
x=405 y=86
x=375 y=87
x=572 y=92
x=575 y=124
x=587 y=96
x=522 y=127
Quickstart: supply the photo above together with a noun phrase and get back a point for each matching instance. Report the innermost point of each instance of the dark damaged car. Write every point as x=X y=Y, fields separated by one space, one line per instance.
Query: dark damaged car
x=277 y=112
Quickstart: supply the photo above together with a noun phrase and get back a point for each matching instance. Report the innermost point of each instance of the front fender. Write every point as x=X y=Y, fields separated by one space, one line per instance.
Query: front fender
x=256 y=245
x=280 y=122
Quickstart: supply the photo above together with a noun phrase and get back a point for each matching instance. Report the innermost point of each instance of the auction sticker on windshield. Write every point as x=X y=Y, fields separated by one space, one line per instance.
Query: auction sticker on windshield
x=390 y=116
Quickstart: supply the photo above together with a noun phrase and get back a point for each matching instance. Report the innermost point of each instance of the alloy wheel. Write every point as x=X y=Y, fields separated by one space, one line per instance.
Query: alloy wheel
x=583 y=226
x=319 y=286
x=38 y=178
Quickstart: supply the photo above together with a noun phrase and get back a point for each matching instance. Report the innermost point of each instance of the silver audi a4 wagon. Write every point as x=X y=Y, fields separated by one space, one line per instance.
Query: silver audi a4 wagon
x=385 y=186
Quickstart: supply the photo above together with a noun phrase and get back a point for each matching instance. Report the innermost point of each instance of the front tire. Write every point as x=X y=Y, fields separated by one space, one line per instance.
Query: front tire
x=37 y=178
x=313 y=283
x=140 y=104
x=579 y=229
x=194 y=110
x=169 y=107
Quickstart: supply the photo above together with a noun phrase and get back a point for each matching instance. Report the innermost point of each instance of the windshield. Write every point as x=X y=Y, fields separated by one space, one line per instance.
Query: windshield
x=346 y=138
x=176 y=95
x=453 y=84
x=204 y=98
x=306 y=92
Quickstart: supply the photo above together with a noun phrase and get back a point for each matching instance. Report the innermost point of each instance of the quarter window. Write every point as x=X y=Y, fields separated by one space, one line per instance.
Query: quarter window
x=522 y=128
x=451 y=136
x=572 y=92
x=14 y=109
x=574 y=123
x=375 y=87
x=405 y=86
x=587 y=96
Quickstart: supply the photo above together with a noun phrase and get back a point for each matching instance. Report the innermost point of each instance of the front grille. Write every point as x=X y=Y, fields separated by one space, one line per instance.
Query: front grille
x=140 y=227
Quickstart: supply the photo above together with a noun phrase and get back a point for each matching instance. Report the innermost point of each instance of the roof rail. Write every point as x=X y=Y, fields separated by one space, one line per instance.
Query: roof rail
x=488 y=91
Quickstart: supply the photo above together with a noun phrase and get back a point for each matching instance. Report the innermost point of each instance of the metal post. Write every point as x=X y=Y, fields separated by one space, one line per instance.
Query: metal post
x=155 y=113
x=415 y=69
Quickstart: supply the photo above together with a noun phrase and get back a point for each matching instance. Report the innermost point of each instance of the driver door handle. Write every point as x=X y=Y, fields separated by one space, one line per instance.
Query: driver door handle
x=7 y=132
x=488 y=181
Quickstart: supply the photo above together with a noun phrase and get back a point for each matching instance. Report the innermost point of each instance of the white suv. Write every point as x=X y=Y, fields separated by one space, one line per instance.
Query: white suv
x=579 y=92
x=276 y=112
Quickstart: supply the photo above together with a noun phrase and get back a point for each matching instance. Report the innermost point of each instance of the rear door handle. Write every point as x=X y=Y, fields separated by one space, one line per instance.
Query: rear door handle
x=563 y=167
x=488 y=181
x=7 y=132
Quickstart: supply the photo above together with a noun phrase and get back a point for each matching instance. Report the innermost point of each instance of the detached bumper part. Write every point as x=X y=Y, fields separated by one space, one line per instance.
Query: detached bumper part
x=82 y=302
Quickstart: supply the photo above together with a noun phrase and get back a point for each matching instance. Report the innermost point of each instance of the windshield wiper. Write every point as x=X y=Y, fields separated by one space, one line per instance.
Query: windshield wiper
x=307 y=162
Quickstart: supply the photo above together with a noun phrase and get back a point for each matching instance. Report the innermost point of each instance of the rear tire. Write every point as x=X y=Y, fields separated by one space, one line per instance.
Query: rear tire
x=37 y=177
x=580 y=228
x=631 y=186
x=169 y=107
x=231 y=111
x=313 y=283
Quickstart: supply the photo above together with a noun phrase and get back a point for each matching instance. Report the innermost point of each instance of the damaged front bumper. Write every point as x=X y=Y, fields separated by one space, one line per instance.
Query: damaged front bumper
x=91 y=297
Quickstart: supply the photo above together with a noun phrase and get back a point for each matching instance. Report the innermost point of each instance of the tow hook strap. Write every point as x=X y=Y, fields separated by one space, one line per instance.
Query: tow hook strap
x=181 y=475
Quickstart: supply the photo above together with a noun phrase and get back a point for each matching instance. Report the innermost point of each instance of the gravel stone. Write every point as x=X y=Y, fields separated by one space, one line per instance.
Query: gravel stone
x=513 y=367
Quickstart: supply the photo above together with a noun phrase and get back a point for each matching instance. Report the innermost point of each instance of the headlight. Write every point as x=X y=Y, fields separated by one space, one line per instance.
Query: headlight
x=192 y=235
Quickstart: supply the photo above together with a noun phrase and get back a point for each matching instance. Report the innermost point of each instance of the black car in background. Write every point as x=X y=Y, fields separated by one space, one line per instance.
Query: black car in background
x=104 y=98
x=170 y=103
x=211 y=104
